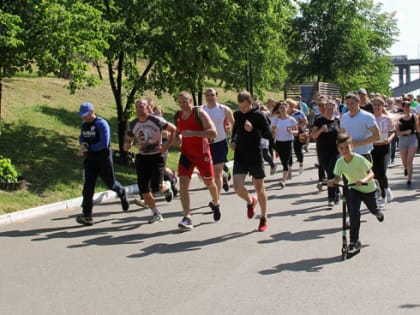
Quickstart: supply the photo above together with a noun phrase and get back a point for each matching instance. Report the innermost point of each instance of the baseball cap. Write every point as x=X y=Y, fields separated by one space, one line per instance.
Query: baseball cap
x=85 y=108
x=362 y=91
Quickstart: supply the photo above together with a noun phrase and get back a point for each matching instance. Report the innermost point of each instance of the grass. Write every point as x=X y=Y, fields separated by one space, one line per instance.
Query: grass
x=39 y=132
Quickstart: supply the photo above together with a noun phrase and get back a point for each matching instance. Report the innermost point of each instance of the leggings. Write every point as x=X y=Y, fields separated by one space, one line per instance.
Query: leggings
x=381 y=157
x=284 y=150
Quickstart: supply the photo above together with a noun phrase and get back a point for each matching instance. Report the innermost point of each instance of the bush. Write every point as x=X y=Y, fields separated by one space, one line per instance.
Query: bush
x=8 y=173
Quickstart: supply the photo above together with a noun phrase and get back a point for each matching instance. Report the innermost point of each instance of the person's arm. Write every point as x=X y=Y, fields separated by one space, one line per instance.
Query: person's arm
x=371 y=139
x=370 y=175
x=104 y=136
x=230 y=121
x=171 y=129
x=209 y=129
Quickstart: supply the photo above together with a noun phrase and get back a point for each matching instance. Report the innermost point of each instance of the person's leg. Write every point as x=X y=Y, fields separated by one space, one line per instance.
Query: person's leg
x=261 y=195
x=353 y=204
x=239 y=187
x=297 y=148
x=378 y=166
x=90 y=177
x=411 y=152
x=184 y=184
x=218 y=177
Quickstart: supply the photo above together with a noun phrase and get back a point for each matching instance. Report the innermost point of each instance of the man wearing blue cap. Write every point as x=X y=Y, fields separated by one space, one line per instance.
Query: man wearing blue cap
x=95 y=146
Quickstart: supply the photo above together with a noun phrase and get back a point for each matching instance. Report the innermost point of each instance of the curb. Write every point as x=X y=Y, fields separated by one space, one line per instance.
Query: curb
x=23 y=215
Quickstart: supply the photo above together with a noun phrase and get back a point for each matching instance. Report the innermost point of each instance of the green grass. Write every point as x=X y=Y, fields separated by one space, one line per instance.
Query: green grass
x=39 y=132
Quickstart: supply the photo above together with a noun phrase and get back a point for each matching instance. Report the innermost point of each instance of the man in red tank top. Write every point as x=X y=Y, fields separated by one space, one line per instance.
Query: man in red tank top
x=194 y=132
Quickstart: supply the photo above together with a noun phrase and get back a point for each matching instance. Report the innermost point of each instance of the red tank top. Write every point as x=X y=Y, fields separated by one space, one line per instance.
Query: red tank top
x=192 y=146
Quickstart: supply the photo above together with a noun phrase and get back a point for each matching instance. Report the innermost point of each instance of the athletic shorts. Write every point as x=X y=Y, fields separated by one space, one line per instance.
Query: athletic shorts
x=405 y=142
x=203 y=163
x=150 y=169
x=219 y=151
x=255 y=170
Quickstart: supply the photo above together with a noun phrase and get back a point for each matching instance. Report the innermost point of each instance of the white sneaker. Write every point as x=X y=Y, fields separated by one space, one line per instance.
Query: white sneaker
x=389 y=195
x=381 y=203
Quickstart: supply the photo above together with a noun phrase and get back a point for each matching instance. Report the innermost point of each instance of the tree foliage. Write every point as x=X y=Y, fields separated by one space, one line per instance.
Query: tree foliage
x=344 y=42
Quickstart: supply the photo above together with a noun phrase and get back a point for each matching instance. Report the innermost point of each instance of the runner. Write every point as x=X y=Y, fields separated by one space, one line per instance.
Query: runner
x=250 y=125
x=194 y=127
x=150 y=163
x=95 y=146
x=222 y=117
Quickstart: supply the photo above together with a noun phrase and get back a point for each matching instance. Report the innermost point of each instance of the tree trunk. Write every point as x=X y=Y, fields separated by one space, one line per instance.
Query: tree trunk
x=1 y=90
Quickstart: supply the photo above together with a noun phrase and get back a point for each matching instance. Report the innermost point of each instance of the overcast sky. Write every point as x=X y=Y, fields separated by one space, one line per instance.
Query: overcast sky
x=408 y=16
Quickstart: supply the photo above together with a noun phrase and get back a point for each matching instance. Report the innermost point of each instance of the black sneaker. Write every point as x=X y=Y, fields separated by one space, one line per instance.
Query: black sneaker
x=337 y=198
x=380 y=216
x=124 y=202
x=225 y=183
x=80 y=218
x=355 y=247
x=169 y=195
x=216 y=211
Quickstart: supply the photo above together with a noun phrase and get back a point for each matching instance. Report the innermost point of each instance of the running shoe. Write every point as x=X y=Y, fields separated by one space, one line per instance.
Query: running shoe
x=140 y=203
x=389 y=195
x=282 y=184
x=156 y=218
x=330 y=204
x=251 y=207
x=216 y=211
x=186 y=224
x=319 y=186
x=380 y=216
x=81 y=219
x=263 y=226
x=337 y=198
x=409 y=183
x=225 y=183
x=355 y=247
x=169 y=195
x=124 y=202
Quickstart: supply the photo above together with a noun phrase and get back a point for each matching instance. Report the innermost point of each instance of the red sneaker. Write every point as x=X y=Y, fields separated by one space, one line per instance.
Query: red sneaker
x=251 y=207
x=263 y=225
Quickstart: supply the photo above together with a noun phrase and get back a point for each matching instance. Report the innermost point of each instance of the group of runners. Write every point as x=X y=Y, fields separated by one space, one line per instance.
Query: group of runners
x=355 y=140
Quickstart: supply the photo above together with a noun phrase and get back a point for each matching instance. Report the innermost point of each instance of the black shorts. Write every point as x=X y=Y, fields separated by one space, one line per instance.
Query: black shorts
x=150 y=169
x=219 y=151
x=256 y=170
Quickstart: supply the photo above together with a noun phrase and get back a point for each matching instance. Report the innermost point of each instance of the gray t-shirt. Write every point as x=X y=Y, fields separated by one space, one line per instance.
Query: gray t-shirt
x=358 y=128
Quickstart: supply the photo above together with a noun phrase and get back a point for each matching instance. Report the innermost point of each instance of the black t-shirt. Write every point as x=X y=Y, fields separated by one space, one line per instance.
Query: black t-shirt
x=248 y=144
x=326 y=140
x=368 y=107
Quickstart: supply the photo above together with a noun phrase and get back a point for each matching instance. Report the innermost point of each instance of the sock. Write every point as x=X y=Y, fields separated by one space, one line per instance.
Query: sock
x=155 y=210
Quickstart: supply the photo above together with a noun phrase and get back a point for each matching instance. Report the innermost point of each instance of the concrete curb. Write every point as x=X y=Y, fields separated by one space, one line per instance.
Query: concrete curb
x=23 y=215
x=27 y=214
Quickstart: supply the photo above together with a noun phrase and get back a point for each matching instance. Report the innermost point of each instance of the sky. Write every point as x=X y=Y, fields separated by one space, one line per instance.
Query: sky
x=408 y=21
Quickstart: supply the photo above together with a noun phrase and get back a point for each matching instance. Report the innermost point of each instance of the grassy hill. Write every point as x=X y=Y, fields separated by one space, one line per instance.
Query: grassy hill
x=39 y=132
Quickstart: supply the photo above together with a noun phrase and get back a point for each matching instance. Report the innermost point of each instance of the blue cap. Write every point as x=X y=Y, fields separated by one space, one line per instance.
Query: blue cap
x=85 y=108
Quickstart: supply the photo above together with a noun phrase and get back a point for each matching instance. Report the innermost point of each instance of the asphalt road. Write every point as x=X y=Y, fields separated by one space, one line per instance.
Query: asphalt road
x=122 y=265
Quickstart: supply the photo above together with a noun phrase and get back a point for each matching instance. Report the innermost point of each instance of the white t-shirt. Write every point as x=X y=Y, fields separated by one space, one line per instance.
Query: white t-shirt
x=282 y=125
x=385 y=125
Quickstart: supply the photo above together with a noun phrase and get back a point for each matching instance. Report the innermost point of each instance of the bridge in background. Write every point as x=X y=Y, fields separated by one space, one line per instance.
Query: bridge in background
x=405 y=82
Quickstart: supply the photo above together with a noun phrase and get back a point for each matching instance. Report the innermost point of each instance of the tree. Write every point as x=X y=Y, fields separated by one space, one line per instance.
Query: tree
x=342 y=41
x=12 y=58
